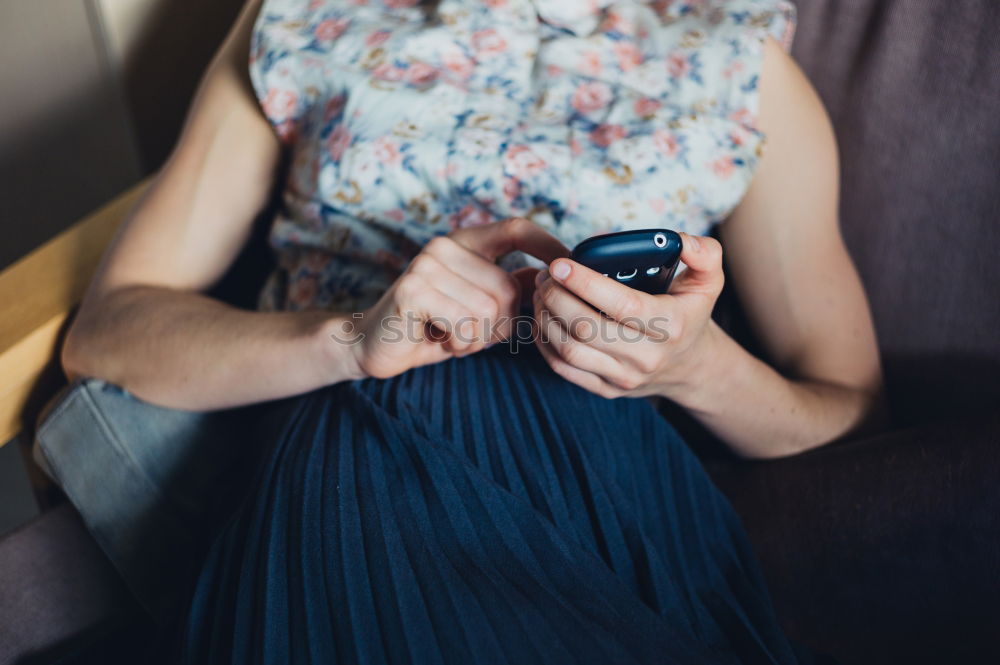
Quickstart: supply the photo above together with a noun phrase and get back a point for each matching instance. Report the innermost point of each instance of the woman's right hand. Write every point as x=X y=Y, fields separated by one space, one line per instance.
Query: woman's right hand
x=452 y=300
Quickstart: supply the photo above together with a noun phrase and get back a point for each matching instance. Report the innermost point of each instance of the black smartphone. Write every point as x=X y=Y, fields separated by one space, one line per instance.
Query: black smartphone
x=645 y=259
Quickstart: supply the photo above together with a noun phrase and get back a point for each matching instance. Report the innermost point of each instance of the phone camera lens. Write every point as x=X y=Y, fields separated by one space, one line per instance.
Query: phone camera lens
x=660 y=240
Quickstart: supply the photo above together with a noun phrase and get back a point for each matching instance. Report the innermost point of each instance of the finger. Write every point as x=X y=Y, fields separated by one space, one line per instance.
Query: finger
x=476 y=270
x=515 y=234
x=483 y=305
x=585 y=380
x=624 y=343
x=581 y=320
x=703 y=257
x=420 y=302
x=554 y=335
x=525 y=278
x=622 y=303
x=482 y=275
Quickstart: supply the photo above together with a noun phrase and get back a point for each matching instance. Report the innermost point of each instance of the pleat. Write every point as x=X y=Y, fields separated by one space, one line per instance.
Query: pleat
x=480 y=510
x=471 y=518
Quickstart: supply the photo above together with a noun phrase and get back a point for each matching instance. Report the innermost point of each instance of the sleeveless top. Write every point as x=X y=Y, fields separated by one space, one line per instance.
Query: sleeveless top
x=406 y=119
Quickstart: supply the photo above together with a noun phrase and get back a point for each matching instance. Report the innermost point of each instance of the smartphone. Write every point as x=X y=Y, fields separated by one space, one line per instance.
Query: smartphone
x=645 y=259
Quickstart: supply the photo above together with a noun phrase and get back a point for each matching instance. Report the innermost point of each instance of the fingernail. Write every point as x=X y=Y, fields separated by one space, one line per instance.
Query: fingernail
x=560 y=269
x=693 y=241
x=541 y=277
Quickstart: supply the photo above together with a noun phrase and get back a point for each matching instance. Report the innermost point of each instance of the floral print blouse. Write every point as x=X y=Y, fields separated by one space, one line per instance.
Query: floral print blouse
x=406 y=119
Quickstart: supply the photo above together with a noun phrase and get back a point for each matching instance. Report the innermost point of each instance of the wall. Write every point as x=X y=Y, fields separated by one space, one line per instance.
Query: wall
x=65 y=136
x=159 y=49
x=92 y=96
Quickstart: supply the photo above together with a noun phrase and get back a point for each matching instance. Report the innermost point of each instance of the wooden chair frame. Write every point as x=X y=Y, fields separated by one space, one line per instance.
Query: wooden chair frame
x=38 y=295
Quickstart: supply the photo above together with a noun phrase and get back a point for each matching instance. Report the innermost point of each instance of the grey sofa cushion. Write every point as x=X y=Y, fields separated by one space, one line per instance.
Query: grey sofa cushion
x=151 y=484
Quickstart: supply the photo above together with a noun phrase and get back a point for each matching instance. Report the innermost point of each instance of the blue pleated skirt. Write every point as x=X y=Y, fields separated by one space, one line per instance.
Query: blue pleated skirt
x=481 y=510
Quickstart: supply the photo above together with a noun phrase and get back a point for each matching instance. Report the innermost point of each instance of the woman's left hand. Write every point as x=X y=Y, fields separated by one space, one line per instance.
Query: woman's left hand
x=617 y=341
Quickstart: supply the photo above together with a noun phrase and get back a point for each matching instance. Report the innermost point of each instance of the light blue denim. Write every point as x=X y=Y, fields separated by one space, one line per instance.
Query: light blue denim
x=147 y=480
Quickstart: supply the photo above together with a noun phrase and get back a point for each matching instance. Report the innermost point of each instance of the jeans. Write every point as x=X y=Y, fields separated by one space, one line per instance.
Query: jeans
x=152 y=484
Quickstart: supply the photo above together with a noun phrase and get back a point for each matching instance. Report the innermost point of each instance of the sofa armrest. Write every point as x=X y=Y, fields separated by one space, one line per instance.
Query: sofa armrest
x=885 y=549
x=37 y=295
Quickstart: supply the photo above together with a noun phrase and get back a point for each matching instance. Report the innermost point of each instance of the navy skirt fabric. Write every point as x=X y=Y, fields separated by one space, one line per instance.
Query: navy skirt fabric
x=482 y=510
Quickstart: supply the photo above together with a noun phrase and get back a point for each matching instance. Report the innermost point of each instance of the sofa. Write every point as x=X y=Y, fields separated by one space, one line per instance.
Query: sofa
x=881 y=549
x=887 y=549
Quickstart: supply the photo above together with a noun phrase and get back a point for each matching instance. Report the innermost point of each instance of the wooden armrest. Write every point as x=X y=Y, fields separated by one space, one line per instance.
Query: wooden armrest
x=37 y=295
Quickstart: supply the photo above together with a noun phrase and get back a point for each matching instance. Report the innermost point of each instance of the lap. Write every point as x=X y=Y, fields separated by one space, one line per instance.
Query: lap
x=478 y=510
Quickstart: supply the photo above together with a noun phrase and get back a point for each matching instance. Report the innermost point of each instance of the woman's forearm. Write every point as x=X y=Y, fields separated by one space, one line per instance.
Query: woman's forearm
x=761 y=414
x=187 y=351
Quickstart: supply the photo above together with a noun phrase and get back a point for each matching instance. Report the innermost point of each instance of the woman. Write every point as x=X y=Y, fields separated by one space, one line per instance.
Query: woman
x=429 y=494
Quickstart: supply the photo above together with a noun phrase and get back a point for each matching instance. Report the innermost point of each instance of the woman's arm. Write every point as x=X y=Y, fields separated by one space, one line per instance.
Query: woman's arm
x=794 y=277
x=801 y=292
x=146 y=326
x=144 y=323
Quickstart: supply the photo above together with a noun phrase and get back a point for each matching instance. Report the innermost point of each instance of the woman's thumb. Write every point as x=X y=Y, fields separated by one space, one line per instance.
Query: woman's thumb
x=703 y=257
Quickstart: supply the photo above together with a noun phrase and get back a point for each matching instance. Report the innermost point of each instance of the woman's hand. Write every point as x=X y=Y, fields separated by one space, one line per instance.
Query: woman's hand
x=616 y=341
x=452 y=300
